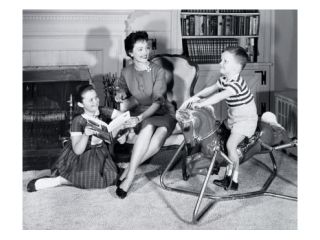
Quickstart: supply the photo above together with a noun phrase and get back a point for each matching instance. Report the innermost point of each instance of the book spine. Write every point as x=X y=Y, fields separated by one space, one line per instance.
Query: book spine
x=220 y=26
x=192 y=25
x=227 y=25
x=187 y=26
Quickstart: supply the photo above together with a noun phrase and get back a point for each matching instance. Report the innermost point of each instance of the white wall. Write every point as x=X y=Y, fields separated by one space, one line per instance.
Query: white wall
x=285 y=50
x=93 y=38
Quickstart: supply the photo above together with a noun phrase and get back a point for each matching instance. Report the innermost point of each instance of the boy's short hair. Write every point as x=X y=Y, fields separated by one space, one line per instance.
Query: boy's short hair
x=132 y=38
x=240 y=54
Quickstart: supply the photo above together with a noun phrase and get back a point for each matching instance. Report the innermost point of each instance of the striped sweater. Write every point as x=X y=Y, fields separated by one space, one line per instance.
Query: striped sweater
x=242 y=94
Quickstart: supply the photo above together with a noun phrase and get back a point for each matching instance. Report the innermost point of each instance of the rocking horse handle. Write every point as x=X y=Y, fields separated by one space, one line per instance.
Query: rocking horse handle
x=294 y=143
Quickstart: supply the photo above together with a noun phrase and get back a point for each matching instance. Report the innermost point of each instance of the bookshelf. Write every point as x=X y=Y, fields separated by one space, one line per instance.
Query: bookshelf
x=203 y=43
x=206 y=33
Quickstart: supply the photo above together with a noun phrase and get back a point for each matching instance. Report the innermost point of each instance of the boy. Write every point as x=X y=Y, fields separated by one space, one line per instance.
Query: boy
x=242 y=113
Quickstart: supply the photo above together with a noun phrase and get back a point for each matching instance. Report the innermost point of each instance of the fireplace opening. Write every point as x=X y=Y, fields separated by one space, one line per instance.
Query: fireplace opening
x=48 y=110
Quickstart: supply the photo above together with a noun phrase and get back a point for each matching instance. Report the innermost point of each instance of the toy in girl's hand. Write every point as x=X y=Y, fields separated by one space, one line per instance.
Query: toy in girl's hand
x=101 y=131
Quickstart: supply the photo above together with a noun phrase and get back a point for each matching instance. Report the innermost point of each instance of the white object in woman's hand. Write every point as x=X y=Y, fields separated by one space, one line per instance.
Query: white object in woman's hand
x=120 y=96
x=132 y=122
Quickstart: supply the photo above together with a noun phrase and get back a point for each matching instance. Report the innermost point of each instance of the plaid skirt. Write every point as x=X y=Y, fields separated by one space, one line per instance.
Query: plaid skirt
x=94 y=168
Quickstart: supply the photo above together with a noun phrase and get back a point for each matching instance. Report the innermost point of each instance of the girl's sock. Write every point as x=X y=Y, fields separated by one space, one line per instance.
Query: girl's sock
x=43 y=183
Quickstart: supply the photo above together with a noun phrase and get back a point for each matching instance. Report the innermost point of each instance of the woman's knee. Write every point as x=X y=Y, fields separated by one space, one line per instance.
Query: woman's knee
x=147 y=128
x=160 y=136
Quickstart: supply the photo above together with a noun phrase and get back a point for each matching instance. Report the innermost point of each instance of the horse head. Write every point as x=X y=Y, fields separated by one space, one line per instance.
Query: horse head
x=196 y=124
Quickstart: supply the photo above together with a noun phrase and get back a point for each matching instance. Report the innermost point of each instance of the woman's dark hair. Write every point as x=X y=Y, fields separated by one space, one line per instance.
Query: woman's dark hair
x=132 y=38
x=240 y=54
x=80 y=90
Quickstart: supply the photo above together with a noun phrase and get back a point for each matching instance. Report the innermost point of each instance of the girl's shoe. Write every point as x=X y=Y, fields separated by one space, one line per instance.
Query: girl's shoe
x=31 y=185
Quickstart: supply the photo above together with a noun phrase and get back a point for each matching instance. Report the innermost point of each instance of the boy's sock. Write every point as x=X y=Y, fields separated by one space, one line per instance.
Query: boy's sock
x=229 y=170
x=235 y=176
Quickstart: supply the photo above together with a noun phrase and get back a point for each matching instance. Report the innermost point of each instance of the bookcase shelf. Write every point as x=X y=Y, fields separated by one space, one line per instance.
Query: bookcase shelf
x=207 y=13
x=206 y=33
x=207 y=37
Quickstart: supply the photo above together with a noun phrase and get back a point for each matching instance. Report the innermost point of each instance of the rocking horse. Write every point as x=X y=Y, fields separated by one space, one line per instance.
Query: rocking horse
x=205 y=141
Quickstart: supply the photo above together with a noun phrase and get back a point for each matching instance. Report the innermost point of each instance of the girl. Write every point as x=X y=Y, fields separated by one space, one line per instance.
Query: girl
x=85 y=161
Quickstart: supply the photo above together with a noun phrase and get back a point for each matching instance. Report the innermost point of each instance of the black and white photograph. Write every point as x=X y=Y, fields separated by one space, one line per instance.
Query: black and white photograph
x=182 y=118
x=173 y=118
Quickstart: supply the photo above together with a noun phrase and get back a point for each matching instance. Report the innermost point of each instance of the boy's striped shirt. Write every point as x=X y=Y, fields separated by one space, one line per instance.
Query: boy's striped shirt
x=242 y=94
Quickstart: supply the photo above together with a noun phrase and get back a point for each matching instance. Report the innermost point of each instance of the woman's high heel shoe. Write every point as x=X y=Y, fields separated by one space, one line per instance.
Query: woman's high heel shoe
x=120 y=172
x=121 y=193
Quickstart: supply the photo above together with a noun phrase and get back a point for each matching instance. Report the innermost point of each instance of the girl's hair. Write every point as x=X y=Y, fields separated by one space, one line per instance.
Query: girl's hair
x=80 y=90
x=132 y=38
x=240 y=54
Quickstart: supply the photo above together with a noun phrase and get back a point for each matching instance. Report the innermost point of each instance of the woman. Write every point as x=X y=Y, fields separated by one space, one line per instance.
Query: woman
x=145 y=83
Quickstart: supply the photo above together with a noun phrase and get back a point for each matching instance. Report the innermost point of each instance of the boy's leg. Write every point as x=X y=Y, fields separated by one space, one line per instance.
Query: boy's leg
x=232 y=144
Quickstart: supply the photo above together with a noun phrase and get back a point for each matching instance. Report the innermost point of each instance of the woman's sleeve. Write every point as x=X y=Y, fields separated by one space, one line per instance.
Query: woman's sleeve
x=122 y=83
x=106 y=112
x=159 y=87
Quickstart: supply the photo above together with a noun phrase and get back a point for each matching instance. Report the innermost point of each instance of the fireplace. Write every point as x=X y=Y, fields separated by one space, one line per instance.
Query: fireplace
x=48 y=110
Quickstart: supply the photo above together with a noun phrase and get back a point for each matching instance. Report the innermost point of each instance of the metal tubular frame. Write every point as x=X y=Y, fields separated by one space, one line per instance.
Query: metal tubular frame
x=262 y=192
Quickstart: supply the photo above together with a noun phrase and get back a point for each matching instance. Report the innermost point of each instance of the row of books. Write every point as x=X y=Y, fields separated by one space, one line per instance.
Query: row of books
x=43 y=116
x=220 y=11
x=208 y=51
x=219 y=25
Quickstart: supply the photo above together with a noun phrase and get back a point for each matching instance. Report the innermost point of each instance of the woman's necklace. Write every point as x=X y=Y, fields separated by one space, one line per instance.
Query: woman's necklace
x=142 y=66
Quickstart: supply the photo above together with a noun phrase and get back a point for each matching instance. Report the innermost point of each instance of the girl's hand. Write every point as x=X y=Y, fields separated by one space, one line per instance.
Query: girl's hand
x=89 y=131
x=188 y=102
x=120 y=96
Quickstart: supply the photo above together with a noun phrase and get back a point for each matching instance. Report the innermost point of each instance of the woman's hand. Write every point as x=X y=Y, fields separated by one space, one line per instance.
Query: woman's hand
x=132 y=122
x=189 y=102
x=120 y=96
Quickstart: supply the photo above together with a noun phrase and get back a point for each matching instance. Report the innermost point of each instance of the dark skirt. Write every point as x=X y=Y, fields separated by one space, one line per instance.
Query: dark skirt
x=94 y=168
x=161 y=121
x=164 y=117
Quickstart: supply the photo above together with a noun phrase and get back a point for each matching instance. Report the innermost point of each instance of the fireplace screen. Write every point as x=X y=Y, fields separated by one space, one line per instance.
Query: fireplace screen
x=47 y=111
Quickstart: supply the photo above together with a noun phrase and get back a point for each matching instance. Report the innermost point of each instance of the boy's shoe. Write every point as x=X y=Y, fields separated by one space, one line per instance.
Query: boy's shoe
x=225 y=182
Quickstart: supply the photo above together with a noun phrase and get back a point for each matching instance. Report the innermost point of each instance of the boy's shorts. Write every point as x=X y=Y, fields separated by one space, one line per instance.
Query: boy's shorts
x=243 y=119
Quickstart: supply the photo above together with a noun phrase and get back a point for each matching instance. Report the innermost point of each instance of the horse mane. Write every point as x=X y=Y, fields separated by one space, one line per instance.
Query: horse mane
x=203 y=121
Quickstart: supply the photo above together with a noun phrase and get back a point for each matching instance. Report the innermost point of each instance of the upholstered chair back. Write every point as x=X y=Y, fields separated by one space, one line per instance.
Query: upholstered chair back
x=181 y=76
